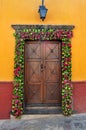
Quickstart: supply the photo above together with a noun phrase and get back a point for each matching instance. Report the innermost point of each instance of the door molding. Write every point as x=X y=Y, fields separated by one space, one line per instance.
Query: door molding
x=62 y=33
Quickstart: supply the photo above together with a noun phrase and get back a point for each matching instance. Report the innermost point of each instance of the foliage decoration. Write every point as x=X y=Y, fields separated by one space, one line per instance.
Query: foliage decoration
x=42 y=34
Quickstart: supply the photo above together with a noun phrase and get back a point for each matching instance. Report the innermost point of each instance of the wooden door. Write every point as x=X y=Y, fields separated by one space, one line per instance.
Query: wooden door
x=42 y=72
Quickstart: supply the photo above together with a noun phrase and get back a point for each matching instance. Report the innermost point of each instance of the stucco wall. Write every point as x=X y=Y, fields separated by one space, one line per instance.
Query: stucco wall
x=26 y=12
x=63 y=12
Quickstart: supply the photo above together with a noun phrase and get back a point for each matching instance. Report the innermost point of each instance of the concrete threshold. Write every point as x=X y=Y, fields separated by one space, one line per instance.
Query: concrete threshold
x=36 y=116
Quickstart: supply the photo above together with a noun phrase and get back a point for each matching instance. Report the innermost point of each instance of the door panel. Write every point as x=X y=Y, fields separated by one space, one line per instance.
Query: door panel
x=34 y=81
x=51 y=50
x=51 y=92
x=33 y=72
x=52 y=71
x=52 y=81
x=34 y=93
x=42 y=72
x=33 y=76
x=33 y=51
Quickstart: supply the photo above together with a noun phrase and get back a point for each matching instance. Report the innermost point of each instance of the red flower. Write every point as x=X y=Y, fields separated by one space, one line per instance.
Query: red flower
x=69 y=45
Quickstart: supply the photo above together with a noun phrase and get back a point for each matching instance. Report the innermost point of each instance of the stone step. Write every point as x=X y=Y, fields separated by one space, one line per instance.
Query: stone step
x=43 y=104
x=41 y=107
x=43 y=110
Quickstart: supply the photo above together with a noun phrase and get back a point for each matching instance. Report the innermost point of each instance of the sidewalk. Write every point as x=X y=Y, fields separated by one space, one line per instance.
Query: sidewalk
x=45 y=122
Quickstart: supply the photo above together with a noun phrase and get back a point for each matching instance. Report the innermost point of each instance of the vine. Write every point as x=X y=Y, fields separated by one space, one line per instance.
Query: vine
x=42 y=34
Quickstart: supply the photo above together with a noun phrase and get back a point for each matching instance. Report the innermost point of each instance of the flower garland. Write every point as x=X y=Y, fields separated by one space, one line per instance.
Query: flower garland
x=42 y=34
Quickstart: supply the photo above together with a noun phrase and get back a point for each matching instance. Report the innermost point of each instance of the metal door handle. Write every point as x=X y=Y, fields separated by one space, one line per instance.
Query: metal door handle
x=42 y=67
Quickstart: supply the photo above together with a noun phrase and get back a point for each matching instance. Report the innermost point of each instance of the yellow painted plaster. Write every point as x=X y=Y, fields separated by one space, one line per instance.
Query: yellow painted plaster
x=63 y=12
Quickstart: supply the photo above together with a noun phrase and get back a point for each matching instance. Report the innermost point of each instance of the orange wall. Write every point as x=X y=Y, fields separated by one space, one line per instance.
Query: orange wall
x=26 y=12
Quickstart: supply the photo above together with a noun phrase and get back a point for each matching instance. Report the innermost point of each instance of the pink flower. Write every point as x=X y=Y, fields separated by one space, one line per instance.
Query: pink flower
x=17 y=101
x=65 y=81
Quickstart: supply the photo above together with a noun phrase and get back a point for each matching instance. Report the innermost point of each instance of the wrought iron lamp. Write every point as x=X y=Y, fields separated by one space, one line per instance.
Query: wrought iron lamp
x=42 y=11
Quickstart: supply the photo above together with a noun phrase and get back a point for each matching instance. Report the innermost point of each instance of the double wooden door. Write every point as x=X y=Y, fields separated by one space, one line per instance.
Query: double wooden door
x=42 y=72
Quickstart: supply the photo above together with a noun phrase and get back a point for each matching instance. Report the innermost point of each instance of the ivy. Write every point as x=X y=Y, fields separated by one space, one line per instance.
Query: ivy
x=42 y=34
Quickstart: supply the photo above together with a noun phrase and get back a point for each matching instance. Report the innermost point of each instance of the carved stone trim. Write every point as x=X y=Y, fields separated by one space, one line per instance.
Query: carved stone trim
x=21 y=27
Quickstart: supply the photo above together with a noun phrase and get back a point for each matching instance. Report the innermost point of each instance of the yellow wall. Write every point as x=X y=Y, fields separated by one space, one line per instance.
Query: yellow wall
x=59 y=12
